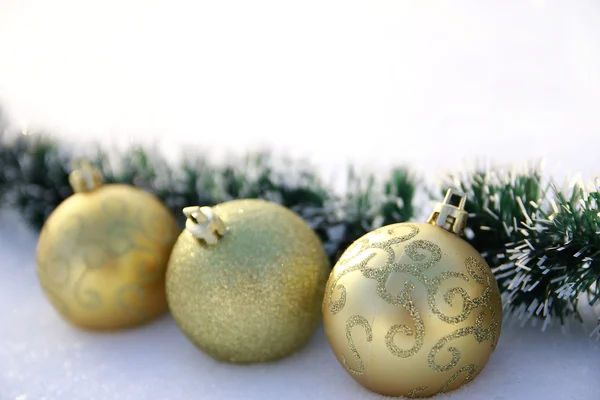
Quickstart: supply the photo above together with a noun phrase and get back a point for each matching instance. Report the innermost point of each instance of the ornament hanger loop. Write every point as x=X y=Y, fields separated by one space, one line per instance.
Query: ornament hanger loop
x=85 y=177
x=450 y=214
x=204 y=223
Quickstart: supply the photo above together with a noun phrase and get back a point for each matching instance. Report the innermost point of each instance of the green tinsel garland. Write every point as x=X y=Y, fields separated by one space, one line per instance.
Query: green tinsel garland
x=542 y=244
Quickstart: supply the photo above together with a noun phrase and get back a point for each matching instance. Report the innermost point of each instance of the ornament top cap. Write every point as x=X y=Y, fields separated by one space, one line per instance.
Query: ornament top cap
x=204 y=223
x=450 y=214
x=85 y=177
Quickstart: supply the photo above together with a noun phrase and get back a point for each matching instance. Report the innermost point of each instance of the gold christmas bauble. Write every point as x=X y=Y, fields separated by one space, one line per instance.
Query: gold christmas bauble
x=413 y=310
x=102 y=254
x=245 y=280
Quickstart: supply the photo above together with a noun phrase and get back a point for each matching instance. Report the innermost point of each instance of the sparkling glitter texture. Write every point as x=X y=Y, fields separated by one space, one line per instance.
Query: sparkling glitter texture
x=412 y=310
x=256 y=295
x=102 y=257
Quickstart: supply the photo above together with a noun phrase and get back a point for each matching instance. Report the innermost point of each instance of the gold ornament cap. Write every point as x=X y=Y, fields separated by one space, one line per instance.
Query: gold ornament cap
x=450 y=214
x=204 y=224
x=85 y=177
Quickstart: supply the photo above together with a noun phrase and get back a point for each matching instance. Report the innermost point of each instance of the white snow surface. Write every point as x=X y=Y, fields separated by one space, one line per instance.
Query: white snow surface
x=43 y=357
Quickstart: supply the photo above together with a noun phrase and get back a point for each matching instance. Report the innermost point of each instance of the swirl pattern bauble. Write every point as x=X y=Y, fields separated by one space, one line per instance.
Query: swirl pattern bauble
x=102 y=257
x=412 y=310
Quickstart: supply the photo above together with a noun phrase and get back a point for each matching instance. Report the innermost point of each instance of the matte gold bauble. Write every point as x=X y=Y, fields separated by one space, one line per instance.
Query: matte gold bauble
x=413 y=310
x=245 y=280
x=102 y=254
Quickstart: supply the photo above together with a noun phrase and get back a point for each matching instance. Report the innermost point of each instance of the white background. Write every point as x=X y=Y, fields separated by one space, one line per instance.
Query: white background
x=432 y=85
x=428 y=84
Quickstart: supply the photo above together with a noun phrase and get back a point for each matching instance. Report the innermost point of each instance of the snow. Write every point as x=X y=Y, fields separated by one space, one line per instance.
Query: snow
x=42 y=357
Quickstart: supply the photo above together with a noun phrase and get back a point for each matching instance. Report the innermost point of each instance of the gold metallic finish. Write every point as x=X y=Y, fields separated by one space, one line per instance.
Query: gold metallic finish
x=427 y=304
x=204 y=223
x=85 y=177
x=351 y=323
x=256 y=294
x=102 y=257
x=450 y=214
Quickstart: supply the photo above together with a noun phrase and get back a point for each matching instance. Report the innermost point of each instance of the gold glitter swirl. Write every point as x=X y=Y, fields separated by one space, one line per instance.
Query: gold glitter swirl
x=416 y=270
x=383 y=273
x=472 y=372
x=476 y=330
x=404 y=299
x=414 y=231
x=473 y=266
x=412 y=251
x=356 y=250
x=482 y=334
x=336 y=306
x=386 y=245
x=351 y=323
x=414 y=392
x=433 y=286
x=469 y=304
x=453 y=350
x=496 y=324
x=353 y=251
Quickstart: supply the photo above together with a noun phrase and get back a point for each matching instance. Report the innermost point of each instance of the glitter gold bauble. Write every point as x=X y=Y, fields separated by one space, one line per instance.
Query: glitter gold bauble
x=411 y=309
x=102 y=254
x=245 y=280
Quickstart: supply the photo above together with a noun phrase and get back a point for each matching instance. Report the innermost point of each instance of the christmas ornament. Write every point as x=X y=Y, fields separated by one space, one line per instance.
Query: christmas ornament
x=411 y=309
x=245 y=280
x=102 y=253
